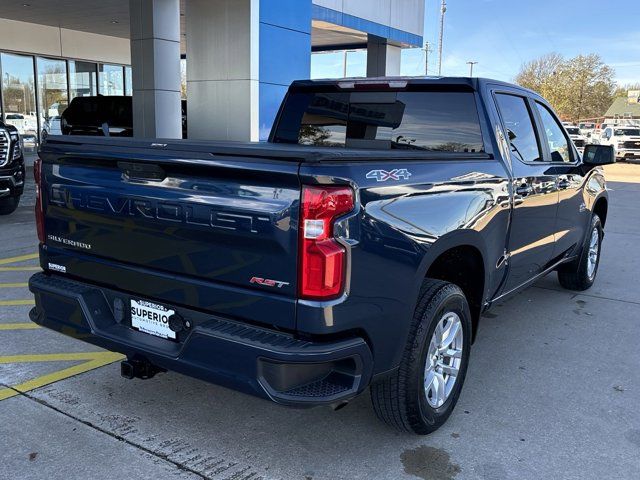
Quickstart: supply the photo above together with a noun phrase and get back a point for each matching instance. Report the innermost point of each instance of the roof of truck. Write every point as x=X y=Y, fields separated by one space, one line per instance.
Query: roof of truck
x=471 y=82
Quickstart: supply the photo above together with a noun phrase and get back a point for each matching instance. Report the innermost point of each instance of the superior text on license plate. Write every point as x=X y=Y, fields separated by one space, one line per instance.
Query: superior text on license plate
x=151 y=318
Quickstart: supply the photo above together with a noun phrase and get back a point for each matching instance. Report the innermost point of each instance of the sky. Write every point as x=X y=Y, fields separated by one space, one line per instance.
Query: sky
x=501 y=35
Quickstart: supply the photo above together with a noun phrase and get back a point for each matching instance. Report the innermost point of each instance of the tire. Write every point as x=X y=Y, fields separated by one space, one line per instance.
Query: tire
x=9 y=205
x=401 y=399
x=581 y=273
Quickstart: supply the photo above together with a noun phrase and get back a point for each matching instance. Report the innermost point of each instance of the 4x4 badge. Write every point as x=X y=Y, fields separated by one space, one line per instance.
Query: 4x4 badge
x=395 y=174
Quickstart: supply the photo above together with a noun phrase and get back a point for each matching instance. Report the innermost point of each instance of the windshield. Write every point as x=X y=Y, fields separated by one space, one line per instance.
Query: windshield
x=627 y=131
x=430 y=121
x=573 y=131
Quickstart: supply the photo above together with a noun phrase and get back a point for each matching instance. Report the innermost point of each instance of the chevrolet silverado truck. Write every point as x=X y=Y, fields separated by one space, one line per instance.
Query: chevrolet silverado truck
x=357 y=248
x=625 y=141
x=579 y=140
x=12 y=170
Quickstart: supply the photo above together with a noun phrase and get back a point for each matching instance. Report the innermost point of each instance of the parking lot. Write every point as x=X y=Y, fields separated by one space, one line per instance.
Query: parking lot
x=552 y=391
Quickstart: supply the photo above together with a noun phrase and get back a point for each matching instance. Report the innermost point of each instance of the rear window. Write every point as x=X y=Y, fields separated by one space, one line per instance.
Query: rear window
x=431 y=121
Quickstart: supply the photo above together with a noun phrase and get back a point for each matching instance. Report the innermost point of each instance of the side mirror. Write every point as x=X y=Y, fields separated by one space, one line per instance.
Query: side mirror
x=598 y=155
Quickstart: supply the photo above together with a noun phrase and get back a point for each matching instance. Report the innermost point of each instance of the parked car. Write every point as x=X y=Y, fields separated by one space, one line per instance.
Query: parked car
x=624 y=140
x=586 y=128
x=106 y=116
x=578 y=139
x=12 y=169
x=51 y=127
x=27 y=127
x=357 y=248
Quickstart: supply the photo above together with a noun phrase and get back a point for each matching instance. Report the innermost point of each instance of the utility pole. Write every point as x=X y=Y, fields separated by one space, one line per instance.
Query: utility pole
x=443 y=9
x=471 y=64
x=427 y=50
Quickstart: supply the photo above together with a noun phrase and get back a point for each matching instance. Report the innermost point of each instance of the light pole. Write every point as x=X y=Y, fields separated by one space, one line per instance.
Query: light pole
x=443 y=9
x=471 y=64
x=427 y=51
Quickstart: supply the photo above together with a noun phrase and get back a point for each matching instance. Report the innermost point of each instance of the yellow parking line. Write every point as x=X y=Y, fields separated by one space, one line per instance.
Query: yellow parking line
x=15 y=303
x=19 y=269
x=93 y=360
x=14 y=285
x=21 y=258
x=19 y=326
x=58 y=357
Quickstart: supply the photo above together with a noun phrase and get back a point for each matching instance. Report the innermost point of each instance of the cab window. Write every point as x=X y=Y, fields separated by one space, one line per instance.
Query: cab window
x=556 y=138
x=519 y=124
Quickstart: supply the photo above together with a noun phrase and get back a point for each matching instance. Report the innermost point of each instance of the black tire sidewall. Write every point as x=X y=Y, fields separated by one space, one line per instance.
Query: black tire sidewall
x=9 y=205
x=453 y=302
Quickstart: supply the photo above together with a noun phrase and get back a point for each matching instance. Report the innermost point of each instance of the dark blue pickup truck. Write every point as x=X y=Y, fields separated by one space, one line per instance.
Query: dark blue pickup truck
x=357 y=248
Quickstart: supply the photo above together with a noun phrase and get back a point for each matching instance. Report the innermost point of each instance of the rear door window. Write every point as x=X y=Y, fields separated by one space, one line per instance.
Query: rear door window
x=520 y=130
x=430 y=121
x=556 y=138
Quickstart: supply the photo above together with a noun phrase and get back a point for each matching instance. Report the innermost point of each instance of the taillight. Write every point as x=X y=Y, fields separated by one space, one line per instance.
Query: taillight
x=322 y=258
x=37 y=175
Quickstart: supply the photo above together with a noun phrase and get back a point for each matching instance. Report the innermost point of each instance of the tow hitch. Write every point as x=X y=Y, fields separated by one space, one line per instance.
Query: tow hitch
x=137 y=368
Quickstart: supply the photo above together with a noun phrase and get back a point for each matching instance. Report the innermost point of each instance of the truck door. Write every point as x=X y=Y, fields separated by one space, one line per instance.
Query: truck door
x=535 y=193
x=572 y=216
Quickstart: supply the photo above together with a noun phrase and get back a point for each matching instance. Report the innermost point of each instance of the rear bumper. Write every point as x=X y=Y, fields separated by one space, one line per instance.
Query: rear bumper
x=253 y=360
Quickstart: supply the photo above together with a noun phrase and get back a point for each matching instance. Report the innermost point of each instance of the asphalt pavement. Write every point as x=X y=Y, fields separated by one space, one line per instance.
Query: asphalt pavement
x=552 y=392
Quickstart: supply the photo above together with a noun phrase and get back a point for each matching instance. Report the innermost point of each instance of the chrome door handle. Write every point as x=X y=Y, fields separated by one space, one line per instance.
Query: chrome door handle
x=524 y=190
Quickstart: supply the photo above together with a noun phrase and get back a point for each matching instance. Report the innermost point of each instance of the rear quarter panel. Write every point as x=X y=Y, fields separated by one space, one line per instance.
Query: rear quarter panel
x=398 y=229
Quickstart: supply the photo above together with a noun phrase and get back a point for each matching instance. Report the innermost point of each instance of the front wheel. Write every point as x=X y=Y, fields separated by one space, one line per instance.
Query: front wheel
x=421 y=394
x=9 y=205
x=581 y=273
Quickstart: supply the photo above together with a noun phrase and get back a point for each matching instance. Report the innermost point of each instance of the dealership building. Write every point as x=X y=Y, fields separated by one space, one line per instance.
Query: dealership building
x=232 y=59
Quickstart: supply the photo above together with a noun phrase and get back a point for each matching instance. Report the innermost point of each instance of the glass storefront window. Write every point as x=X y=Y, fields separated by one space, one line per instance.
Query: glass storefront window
x=128 y=81
x=19 y=95
x=111 y=79
x=83 y=79
x=52 y=93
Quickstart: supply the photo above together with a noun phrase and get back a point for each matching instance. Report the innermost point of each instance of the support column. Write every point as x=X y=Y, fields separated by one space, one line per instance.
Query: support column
x=383 y=59
x=155 y=62
x=241 y=57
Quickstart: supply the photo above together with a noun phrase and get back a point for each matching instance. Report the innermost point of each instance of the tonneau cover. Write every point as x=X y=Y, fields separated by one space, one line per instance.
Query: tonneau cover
x=276 y=151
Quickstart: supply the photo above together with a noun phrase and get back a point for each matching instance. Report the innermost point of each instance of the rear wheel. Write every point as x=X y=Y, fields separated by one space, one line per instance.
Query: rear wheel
x=9 y=205
x=581 y=273
x=421 y=394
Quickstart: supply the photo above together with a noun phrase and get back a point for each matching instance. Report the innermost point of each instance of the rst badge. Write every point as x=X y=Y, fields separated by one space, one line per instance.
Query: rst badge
x=384 y=175
x=268 y=282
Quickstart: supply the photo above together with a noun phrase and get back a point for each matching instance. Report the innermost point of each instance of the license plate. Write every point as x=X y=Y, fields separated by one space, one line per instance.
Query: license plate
x=151 y=318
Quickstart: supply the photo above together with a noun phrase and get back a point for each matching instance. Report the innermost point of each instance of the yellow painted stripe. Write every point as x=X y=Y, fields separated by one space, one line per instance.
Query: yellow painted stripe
x=21 y=258
x=60 y=357
x=100 y=359
x=14 y=285
x=19 y=326
x=19 y=269
x=15 y=303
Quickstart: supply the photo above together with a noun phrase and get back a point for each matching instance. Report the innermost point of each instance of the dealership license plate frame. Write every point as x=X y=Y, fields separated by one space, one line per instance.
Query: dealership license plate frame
x=152 y=319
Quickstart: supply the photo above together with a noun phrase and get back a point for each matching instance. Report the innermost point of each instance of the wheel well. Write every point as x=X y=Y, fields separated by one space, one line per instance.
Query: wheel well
x=600 y=208
x=463 y=266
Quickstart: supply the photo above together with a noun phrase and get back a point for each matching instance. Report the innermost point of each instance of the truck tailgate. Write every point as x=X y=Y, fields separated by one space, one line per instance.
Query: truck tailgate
x=215 y=232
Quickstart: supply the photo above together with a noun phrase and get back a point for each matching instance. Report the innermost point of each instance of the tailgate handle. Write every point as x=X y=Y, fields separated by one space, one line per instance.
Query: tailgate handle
x=142 y=171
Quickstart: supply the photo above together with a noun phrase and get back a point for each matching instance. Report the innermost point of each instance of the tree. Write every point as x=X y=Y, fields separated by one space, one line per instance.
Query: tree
x=623 y=90
x=580 y=87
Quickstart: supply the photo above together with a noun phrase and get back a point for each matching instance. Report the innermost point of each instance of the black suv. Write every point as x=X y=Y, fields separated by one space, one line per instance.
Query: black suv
x=11 y=169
